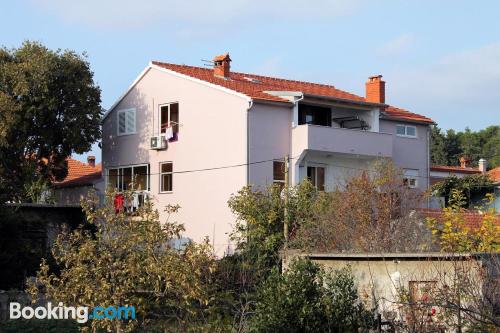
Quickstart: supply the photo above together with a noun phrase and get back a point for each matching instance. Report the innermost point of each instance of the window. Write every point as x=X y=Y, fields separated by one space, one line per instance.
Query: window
x=316 y=176
x=410 y=178
x=406 y=130
x=126 y=121
x=169 y=116
x=121 y=178
x=279 y=173
x=166 y=177
x=314 y=115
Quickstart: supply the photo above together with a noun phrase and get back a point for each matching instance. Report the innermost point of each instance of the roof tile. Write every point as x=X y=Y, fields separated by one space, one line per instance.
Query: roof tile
x=254 y=86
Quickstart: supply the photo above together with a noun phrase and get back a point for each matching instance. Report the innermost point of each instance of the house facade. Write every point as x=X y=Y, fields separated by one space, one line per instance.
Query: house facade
x=194 y=136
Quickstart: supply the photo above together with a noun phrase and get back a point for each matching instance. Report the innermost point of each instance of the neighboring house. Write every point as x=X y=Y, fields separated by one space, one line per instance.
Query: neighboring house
x=81 y=178
x=494 y=175
x=194 y=136
x=438 y=173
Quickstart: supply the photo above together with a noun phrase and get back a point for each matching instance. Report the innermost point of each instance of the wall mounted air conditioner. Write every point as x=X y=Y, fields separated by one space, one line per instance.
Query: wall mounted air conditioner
x=158 y=142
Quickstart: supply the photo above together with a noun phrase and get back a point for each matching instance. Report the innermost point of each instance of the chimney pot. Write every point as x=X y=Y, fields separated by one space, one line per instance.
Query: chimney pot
x=483 y=165
x=91 y=160
x=375 y=89
x=222 y=66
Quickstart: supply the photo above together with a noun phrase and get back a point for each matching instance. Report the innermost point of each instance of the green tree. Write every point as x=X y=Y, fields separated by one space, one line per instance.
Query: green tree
x=49 y=109
x=306 y=298
x=439 y=154
x=131 y=261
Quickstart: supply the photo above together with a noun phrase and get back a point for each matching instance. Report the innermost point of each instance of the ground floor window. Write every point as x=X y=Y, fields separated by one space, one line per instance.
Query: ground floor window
x=316 y=176
x=279 y=173
x=123 y=178
x=410 y=178
x=166 y=176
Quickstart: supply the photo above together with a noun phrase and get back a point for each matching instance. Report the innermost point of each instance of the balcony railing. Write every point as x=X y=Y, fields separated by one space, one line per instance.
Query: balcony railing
x=340 y=140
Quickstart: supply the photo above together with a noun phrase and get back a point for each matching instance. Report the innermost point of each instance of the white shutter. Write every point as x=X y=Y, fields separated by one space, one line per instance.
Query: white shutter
x=126 y=121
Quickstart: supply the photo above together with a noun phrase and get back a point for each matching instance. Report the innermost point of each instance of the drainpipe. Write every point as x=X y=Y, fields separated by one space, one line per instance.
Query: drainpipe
x=250 y=104
x=295 y=123
x=428 y=164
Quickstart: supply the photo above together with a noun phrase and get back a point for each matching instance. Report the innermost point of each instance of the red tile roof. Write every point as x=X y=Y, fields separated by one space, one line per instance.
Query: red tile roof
x=455 y=169
x=79 y=174
x=473 y=219
x=495 y=174
x=254 y=86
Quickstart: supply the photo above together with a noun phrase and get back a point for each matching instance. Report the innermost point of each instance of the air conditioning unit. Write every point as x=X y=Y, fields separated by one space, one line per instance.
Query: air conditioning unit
x=158 y=142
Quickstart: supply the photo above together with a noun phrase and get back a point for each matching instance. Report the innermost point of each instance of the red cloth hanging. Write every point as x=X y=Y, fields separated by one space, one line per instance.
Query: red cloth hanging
x=118 y=202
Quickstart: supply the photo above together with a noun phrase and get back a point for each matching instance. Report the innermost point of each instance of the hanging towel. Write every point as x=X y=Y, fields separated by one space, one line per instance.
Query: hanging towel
x=169 y=133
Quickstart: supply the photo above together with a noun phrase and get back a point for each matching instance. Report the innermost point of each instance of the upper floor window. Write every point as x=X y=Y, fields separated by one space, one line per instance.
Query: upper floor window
x=314 y=115
x=406 y=130
x=316 y=176
x=279 y=173
x=134 y=177
x=169 y=119
x=410 y=178
x=126 y=121
x=166 y=176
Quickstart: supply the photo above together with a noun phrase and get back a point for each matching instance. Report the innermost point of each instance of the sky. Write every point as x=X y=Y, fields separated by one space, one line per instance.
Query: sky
x=438 y=58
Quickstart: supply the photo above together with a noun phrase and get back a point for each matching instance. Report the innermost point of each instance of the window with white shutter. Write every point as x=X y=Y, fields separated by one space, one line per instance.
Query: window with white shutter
x=126 y=121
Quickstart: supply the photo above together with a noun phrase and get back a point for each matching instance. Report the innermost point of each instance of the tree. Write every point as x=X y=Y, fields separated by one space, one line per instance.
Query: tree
x=372 y=212
x=470 y=186
x=439 y=154
x=131 y=261
x=49 y=109
x=447 y=148
x=306 y=298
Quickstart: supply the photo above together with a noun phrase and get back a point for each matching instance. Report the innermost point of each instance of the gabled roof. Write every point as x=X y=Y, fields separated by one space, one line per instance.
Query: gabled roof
x=80 y=174
x=256 y=87
x=495 y=174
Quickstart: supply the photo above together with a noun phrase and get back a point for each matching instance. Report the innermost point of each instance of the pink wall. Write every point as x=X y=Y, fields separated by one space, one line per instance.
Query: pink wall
x=213 y=134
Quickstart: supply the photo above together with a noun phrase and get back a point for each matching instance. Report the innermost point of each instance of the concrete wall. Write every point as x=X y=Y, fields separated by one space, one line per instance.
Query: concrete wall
x=269 y=138
x=380 y=279
x=212 y=134
x=410 y=153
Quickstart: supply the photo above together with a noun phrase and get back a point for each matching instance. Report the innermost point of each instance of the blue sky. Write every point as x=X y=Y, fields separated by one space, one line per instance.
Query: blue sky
x=439 y=58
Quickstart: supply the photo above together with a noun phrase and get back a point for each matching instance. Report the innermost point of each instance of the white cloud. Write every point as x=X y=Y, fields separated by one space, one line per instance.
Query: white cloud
x=397 y=46
x=133 y=13
x=468 y=81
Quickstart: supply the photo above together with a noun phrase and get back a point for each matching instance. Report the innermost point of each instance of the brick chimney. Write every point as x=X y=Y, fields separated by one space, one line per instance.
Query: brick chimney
x=222 y=65
x=483 y=164
x=375 y=89
x=91 y=160
x=464 y=162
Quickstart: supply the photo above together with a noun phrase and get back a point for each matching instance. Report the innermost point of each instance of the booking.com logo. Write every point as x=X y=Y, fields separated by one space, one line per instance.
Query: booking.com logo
x=79 y=313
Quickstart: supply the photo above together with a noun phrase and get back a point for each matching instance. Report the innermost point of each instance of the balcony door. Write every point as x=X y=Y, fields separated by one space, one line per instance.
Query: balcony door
x=316 y=176
x=315 y=115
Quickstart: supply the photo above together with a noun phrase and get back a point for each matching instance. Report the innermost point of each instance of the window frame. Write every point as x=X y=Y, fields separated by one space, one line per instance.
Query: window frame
x=160 y=188
x=125 y=111
x=160 y=106
x=316 y=174
x=280 y=182
x=119 y=175
x=407 y=178
x=406 y=135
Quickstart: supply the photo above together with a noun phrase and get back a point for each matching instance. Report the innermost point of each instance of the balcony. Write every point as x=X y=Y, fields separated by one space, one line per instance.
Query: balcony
x=340 y=140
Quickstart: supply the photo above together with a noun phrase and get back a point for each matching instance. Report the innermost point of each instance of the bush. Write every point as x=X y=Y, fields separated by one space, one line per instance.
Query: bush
x=307 y=298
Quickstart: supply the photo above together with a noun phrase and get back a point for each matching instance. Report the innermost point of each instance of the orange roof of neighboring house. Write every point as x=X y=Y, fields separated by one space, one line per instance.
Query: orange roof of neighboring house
x=255 y=86
x=473 y=219
x=456 y=169
x=495 y=174
x=80 y=173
